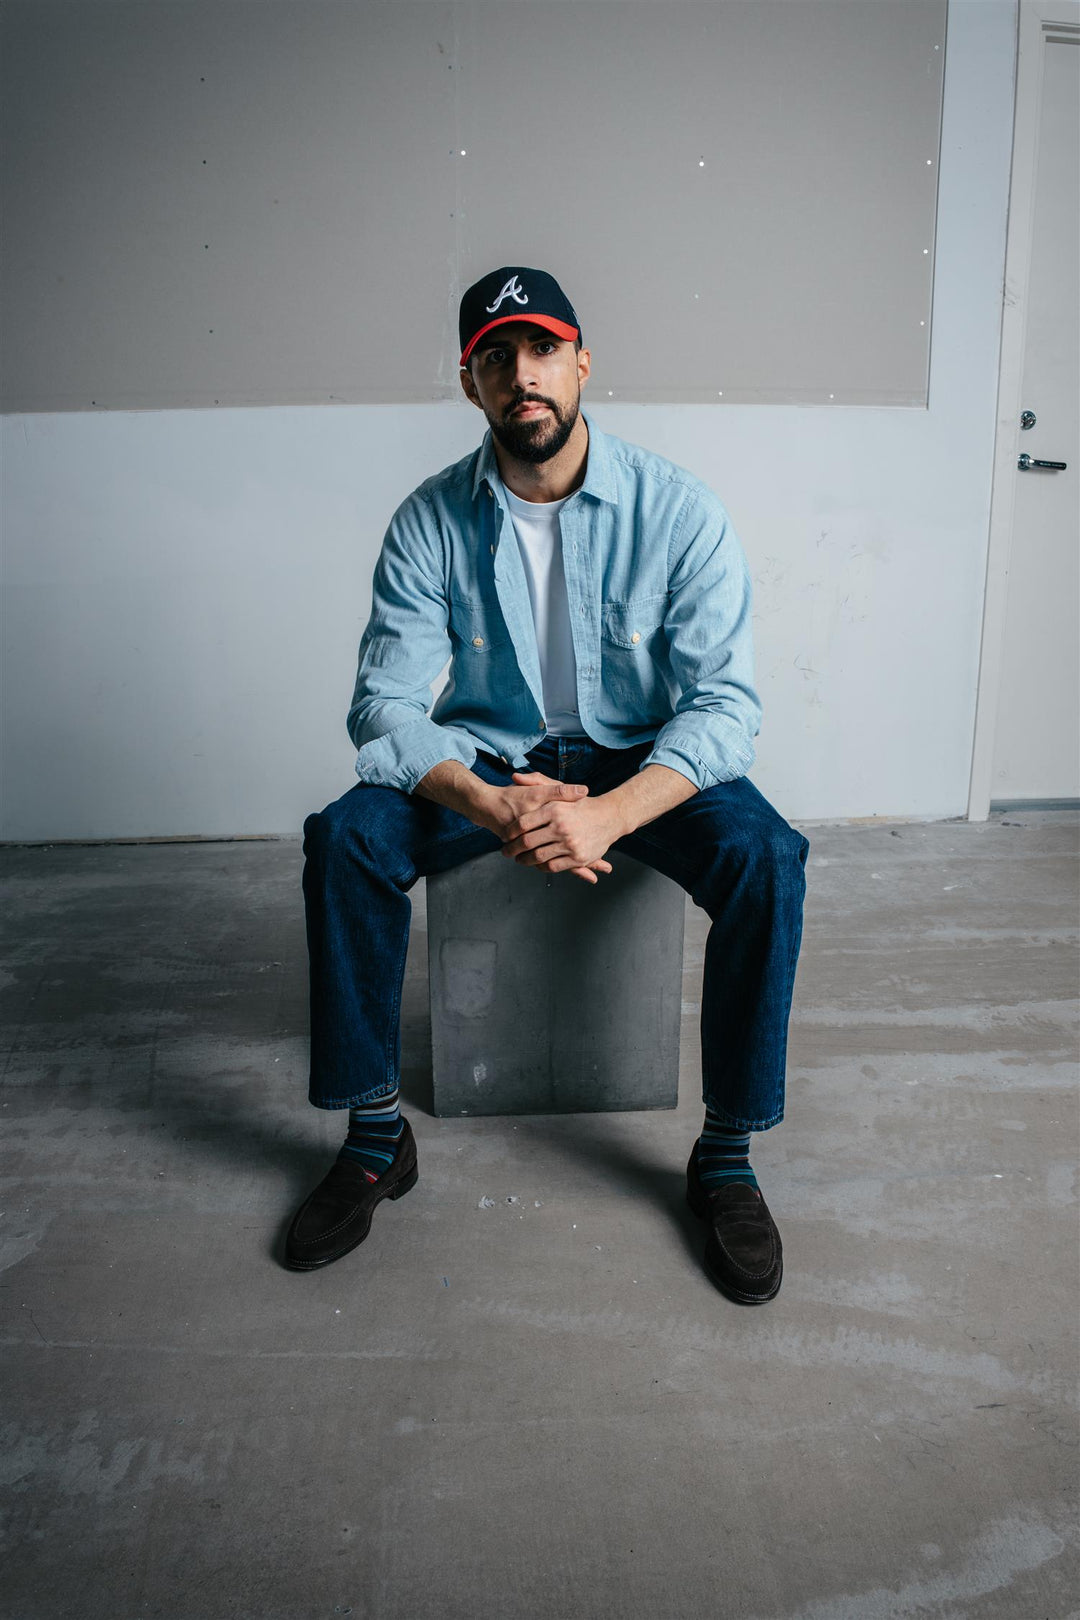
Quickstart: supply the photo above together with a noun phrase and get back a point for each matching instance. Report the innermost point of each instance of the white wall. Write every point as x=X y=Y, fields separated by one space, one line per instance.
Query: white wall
x=200 y=196
x=184 y=590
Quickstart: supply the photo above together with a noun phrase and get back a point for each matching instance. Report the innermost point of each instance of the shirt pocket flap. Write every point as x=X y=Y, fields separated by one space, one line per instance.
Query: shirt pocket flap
x=477 y=627
x=633 y=624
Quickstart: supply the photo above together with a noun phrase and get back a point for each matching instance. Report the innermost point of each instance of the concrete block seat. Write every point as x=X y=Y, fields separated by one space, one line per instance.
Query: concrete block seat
x=550 y=995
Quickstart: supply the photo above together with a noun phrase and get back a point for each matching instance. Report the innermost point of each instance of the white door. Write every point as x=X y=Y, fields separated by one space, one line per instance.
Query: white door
x=1037 y=740
x=1028 y=732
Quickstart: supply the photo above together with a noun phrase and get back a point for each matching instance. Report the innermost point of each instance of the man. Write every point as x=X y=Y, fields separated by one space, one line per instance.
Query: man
x=595 y=602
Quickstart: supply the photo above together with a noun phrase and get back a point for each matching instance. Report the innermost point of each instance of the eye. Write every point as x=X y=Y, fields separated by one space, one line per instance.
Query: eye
x=494 y=357
x=546 y=346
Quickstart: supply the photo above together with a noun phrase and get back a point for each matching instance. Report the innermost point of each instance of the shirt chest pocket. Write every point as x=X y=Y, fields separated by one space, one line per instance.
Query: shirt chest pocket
x=635 y=627
x=477 y=628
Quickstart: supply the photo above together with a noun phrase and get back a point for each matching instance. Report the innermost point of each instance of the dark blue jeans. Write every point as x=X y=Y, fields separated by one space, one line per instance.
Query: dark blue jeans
x=727 y=847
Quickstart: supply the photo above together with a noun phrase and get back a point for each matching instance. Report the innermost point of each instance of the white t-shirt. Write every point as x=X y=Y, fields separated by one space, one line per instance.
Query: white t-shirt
x=536 y=524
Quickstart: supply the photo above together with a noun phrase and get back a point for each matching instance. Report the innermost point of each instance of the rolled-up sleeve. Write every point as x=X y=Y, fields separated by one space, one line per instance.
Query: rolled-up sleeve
x=405 y=645
x=710 y=736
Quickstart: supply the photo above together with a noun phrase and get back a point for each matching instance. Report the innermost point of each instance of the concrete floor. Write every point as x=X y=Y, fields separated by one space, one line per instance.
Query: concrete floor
x=541 y=1409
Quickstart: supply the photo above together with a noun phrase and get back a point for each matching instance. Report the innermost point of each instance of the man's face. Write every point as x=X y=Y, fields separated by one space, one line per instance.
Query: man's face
x=528 y=384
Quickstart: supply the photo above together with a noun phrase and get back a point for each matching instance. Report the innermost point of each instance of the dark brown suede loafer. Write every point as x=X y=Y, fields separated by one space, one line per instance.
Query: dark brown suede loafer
x=337 y=1215
x=743 y=1253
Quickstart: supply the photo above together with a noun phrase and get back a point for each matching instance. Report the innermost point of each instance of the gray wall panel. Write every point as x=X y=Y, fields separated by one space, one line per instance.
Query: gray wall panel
x=273 y=202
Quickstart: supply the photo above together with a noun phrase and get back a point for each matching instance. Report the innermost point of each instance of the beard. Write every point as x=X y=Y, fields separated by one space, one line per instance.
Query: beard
x=535 y=441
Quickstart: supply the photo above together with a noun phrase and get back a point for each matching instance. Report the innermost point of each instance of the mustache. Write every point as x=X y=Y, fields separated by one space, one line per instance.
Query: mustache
x=532 y=399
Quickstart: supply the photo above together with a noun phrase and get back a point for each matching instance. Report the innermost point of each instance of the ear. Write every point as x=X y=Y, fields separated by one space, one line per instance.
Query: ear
x=584 y=366
x=468 y=386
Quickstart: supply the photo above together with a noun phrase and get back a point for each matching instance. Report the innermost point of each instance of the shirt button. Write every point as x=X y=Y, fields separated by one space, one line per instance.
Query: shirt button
x=503 y=760
x=492 y=550
x=478 y=641
x=636 y=637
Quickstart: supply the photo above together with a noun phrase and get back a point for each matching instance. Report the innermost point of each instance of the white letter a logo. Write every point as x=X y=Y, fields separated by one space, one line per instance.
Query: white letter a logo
x=511 y=290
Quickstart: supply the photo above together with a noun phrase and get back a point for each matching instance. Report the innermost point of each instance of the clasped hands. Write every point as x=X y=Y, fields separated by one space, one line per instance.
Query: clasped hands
x=555 y=826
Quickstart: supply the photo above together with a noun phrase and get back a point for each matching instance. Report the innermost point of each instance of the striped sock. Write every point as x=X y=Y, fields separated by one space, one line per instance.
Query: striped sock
x=723 y=1154
x=374 y=1132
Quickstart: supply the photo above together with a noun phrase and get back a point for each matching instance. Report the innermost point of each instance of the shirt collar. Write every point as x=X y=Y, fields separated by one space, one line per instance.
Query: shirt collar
x=599 y=472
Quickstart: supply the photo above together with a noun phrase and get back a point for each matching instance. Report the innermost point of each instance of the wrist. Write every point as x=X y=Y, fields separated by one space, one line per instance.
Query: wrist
x=479 y=800
x=615 y=803
x=452 y=784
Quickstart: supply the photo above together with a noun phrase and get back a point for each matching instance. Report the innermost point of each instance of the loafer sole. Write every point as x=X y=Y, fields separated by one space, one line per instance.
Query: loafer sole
x=398 y=1190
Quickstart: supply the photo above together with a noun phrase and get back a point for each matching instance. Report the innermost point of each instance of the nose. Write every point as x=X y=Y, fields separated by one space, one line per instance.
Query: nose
x=524 y=369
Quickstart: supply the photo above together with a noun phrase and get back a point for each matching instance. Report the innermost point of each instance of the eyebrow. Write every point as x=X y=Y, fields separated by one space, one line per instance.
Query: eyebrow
x=539 y=334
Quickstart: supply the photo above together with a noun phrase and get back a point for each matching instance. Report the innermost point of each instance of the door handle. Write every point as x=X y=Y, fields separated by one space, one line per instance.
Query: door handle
x=1026 y=463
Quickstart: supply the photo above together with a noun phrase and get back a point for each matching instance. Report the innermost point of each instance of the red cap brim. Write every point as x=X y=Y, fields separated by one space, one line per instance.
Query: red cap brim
x=548 y=322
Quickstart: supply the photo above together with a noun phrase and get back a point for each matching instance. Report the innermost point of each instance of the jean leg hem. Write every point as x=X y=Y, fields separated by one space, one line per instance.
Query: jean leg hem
x=738 y=1122
x=355 y=1099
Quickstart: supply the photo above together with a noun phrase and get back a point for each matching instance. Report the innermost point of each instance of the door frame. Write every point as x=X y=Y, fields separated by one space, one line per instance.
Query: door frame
x=1034 y=19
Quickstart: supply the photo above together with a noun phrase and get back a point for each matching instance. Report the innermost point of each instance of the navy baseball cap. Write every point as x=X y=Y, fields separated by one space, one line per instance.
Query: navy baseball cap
x=514 y=293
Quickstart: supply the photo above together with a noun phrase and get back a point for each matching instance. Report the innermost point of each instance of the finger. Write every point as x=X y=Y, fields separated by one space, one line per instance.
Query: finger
x=543 y=855
x=564 y=862
x=540 y=787
x=601 y=866
x=537 y=779
x=518 y=829
x=530 y=840
x=529 y=820
x=586 y=873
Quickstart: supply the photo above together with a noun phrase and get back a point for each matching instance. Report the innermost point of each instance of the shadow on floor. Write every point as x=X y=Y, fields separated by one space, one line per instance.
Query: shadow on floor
x=603 y=1145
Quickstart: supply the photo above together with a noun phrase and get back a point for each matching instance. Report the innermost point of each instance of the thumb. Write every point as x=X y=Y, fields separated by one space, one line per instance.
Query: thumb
x=572 y=790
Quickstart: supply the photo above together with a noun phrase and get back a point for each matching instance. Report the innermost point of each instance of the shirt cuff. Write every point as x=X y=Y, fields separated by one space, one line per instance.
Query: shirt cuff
x=704 y=759
x=402 y=757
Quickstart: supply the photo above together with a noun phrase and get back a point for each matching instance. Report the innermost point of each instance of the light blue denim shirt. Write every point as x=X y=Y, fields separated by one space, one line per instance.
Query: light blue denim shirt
x=659 y=596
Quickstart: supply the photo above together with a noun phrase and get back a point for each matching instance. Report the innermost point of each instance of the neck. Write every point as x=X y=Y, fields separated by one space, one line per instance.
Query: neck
x=547 y=480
